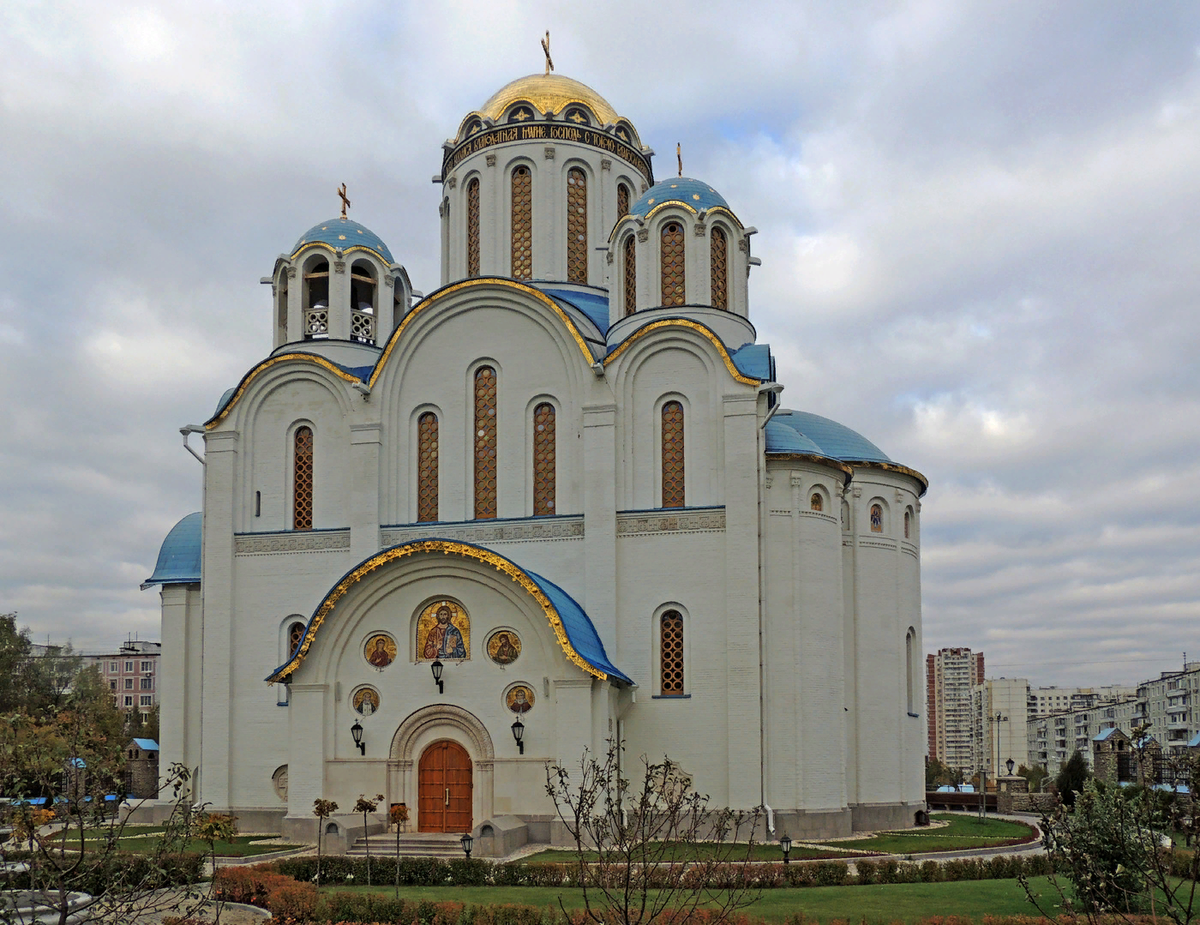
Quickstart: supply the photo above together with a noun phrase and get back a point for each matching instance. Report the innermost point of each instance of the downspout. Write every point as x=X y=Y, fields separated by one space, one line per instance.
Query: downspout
x=187 y=430
x=769 y=389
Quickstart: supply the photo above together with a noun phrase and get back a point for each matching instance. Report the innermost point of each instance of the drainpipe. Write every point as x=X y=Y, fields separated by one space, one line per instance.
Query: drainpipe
x=187 y=430
x=768 y=388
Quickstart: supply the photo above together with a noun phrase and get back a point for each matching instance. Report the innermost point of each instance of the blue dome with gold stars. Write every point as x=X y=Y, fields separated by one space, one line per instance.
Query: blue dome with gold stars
x=343 y=234
x=696 y=195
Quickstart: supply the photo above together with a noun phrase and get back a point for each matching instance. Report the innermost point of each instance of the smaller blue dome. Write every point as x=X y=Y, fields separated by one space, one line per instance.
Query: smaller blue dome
x=695 y=194
x=835 y=440
x=179 y=556
x=343 y=234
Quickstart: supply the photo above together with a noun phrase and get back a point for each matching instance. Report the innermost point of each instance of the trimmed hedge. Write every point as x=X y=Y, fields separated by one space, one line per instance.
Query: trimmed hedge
x=118 y=872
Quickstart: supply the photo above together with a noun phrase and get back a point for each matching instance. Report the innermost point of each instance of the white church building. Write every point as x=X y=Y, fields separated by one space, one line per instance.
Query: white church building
x=558 y=500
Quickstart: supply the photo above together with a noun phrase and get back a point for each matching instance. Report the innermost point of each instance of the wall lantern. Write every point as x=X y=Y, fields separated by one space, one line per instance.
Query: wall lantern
x=357 y=730
x=1009 y=764
x=467 y=842
x=437 y=667
x=785 y=844
x=518 y=729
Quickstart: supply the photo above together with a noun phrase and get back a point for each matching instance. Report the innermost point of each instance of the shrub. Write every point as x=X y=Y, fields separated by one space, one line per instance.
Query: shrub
x=292 y=902
x=469 y=872
x=830 y=873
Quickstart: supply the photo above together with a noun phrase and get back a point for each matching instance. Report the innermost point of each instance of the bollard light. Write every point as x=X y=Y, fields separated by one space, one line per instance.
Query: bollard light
x=785 y=844
x=467 y=842
x=1009 y=764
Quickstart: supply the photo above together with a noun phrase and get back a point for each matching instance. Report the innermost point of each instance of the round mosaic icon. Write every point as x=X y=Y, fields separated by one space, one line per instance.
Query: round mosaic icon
x=503 y=647
x=380 y=650
x=519 y=699
x=365 y=701
x=444 y=631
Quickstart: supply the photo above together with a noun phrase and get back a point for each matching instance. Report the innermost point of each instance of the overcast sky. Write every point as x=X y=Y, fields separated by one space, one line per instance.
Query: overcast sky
x=979 y=226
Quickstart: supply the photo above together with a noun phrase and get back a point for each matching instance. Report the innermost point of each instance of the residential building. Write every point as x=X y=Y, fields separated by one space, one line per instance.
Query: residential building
x=132 y=673
x=1000 y=710
x=1049 y=700
x=1168 y=704
x=950 y=676
x=1052 y=740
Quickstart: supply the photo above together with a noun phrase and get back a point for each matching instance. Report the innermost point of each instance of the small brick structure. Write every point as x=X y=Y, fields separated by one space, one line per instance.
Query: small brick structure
x=141 y=768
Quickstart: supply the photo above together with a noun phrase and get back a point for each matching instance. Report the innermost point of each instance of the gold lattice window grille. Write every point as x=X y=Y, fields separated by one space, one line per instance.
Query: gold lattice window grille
x=671 y=653
x=672 y=264
x=816 y=502
x=544 y=461
x=485 y=442
x=577 y=249
x=473 y=227
x=672 y=455
x=719 y=269
x=302 y=479
x=427 y=467
x=630 y=258
x=295 y=635
x=522 y=223
x=622 y=200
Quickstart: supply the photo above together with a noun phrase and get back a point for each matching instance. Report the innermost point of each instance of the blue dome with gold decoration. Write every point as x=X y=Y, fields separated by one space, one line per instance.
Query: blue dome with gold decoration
x=343 y=234
x=694 y=194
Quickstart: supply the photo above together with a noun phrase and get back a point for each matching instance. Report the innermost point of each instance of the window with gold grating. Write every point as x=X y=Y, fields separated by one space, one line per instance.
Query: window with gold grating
x=622 y=200
x=672 y=264
x=302 y=480
x=522 y=223
x=672 y=454
x=473 y=227
x=671 y=653
x=816 y=502
x=427 y=467
x=485 y=442
x=543 y=460
x=295 y=635
x=577 y=249
x=630 y=276
x=719 y=269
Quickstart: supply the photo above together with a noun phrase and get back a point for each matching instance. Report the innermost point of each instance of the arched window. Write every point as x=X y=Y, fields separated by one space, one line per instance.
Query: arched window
x=295 y=636
x=719 y=268
x=816 y=502
x=876 y=518
x=362 y=303
x=671 y=654
x=909 y=678
x=577 y=249
x=672 y=455
x=907 y=523
x=302 y=479
x=622 y=200
x=672 y=264
x=543 y=460
x=522 y=223
x=427 y=467
x=473 y=227
x=630 y=258
x=316 y=300
x=485 y=442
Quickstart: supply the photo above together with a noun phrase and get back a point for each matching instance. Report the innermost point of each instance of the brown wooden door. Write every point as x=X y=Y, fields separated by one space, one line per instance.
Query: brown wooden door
x=444 y=789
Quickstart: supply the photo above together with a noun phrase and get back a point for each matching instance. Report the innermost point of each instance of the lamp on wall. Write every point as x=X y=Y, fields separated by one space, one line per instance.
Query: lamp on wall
x=785 y=844
x=436 y=668
x=1009 y=764
x=518 y=729
x=357 y=730
x=467 y=842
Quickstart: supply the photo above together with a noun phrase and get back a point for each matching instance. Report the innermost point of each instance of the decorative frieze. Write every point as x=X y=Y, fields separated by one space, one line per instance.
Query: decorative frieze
x=250 y=544
x=705 y=520
x=558 y=528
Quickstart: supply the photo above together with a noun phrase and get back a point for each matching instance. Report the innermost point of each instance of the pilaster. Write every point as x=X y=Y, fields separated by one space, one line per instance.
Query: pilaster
x=600 y=523
x=365 y=447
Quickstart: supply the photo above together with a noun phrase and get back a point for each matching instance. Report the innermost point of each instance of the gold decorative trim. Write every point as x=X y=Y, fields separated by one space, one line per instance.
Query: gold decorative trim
x=445 y=547
x=263 y=367
x=344 y=250
x=684 y=323
x=467 y=284
x=893 y=467
x=813 y=458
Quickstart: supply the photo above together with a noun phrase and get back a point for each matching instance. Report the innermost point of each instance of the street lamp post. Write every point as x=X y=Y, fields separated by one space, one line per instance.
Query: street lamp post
x=993 y=721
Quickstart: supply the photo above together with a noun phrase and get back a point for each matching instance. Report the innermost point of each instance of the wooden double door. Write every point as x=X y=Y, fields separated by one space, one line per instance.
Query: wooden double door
x=444 y=789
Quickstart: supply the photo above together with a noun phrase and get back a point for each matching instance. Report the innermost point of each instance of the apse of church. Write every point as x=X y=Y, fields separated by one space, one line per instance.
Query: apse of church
x=448 y=538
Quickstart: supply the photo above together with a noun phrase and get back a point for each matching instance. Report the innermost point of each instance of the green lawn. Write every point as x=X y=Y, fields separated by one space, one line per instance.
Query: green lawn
x=964 y=831
x=146 y=839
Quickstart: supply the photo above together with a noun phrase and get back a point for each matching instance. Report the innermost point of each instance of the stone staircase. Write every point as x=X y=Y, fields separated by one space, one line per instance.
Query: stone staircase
x=412 y=845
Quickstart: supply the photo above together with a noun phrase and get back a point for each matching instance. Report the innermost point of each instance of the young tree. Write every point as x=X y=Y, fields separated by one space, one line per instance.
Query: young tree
x=652 y=848
x=398 y=815
x=1071 y=778
x=366 y=807
x=322 y=809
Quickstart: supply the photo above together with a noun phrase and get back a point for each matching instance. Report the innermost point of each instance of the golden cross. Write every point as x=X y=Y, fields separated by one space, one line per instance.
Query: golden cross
x=679 y=157
x=345 y=201
x=546 y=49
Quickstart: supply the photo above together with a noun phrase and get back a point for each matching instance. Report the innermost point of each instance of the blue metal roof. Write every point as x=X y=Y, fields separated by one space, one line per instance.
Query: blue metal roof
x=580 y=630
x=179 y=556
x=783 y=439
x=753 y=360
x=225 y=396
x=1106 y=734
x=835 y=440
x=146 y=745
x=1194 y=742
x=592 y=304
x=695 y=194
x=342 y=234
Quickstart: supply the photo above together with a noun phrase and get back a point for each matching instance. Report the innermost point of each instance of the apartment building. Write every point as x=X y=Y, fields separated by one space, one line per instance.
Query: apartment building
x=1052 y=740
x=950 y=676
x=1168 y=704
x=1000 y=713
x=131 y=671
x=1046 y=701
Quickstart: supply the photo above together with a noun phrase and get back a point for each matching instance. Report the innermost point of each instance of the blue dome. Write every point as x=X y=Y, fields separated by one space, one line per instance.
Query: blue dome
x=179 y=556
x=835 y=440
x=695 y=194
x=343 y=234
x=782 y=438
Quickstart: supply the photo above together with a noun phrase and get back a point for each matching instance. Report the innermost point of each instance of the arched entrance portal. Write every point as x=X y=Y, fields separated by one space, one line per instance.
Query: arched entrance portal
x=444 y=789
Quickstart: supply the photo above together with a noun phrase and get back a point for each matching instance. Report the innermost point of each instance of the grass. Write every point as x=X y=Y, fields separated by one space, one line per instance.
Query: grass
x=146 y=840
x=963 y=831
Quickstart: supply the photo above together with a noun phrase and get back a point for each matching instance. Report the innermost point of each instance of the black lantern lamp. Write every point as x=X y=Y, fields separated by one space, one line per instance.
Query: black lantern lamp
x=357 y=730
x=1009 y=764
x=518 y=729
x=785 y=844
x=467 y=842
x=437 y=667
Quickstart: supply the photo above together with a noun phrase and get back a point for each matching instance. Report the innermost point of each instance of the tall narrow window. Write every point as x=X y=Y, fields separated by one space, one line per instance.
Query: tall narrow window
x=577 y=249
x=630 y=258
x=295 y=636
x=719 y=269
x=876 y=518
x=485 y=442
x=672 y=454
x=316 y=308
x=302 y=479
x=908 y=670
x=543 y=460
x=622 y=200
x=672 y=264
x=816 y=502
x=427 y=467
x=362 y=303
x=671 y=654
x=473 y=227
x=907 y=524
x=522 y=224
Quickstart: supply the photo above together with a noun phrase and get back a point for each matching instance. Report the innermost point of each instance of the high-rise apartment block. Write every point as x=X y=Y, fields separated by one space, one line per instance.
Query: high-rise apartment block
x=950 y=676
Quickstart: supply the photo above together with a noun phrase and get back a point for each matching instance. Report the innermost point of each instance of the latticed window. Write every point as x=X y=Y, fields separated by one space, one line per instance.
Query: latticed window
x=719 y=269
x=672 y=264
x=622 y=200
x=630 y=257
x=543 y=459
x=427 y=467
x=302 y=479
x=295 y=635
x=473 y=227
x=577 y=249
x=671 y=653
x=522 y=223
x=672 y=454
x=485 y=442
x=816 y=502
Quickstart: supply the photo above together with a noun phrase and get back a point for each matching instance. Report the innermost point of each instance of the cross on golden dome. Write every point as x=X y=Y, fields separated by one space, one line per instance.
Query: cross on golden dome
x=546 y=49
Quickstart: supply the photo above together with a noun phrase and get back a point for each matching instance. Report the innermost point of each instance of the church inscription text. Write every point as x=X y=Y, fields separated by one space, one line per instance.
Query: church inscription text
x=544 y=132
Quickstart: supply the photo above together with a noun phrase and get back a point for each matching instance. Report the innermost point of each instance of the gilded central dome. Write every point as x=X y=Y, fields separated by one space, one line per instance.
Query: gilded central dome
x=548 y=93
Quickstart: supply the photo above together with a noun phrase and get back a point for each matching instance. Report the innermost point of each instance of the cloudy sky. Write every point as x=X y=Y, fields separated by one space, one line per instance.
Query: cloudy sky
x=979 y=225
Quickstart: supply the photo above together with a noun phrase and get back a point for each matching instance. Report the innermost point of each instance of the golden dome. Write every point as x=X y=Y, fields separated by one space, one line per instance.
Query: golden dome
x=548 y=93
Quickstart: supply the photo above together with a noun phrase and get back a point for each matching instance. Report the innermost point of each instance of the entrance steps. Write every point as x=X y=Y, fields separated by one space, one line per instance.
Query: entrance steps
x=412 y=845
